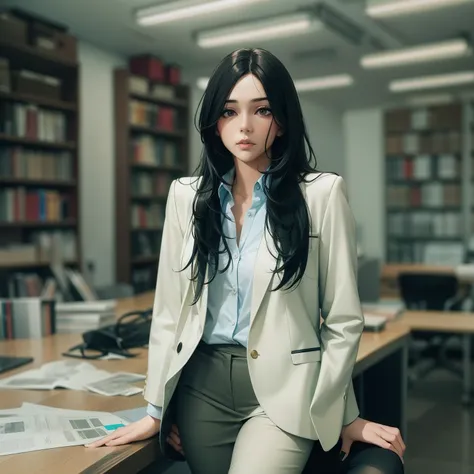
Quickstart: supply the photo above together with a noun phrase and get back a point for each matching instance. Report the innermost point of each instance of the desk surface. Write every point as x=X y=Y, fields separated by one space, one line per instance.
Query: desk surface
x=76 y=459
x=448 y=321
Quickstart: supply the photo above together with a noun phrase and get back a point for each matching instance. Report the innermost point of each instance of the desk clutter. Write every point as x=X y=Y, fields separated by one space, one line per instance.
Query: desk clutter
x=75 y=375
x=33 y=427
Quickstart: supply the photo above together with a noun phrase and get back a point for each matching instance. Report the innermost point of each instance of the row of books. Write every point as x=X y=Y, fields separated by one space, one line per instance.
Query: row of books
x=26 y=318
x=19 y=205
x=42 y=247
x=150 y=184
x=433 y=195
x=24 y=163
x=144 y=278
x=146 y=114
x=440 y=117
x=145 y=244
x=154 y=151
x=148 y=216
x=29 y=121
x=425 y=224
x=417 y=143
x=424 y=167
x=141 y=85
x=430 y=253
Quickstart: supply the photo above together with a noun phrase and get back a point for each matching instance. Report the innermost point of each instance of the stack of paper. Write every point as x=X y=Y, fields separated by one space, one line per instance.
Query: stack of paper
x=75 y=375
x=35 y=427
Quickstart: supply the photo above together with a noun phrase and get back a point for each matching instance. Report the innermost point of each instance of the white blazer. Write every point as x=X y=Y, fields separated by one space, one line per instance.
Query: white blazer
x=301 y=371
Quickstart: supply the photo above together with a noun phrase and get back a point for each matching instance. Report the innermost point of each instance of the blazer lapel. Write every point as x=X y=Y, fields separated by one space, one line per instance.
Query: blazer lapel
x=264 y=266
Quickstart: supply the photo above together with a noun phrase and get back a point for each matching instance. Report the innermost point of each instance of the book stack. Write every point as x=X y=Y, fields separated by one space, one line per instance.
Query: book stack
x=25 y=318
x=79 y=317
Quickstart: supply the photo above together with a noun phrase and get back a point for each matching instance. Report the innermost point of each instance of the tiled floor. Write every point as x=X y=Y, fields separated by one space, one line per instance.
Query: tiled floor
x=440 y=437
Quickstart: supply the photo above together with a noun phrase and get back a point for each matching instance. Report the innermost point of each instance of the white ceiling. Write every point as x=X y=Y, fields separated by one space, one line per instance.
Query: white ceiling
x=109 y=24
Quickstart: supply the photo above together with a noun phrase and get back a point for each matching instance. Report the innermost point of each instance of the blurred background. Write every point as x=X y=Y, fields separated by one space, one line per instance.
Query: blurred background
x=97 y=100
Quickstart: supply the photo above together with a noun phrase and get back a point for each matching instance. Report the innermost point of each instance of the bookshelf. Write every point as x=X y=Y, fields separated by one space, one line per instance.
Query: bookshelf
x=152 y=135
x=428 y=173
x=39 y=179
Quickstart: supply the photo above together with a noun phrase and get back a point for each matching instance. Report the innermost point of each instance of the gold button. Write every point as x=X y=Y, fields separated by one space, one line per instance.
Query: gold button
x=254 y=354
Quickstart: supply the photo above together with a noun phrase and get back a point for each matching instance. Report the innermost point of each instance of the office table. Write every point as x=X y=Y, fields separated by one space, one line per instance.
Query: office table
x=380 y=355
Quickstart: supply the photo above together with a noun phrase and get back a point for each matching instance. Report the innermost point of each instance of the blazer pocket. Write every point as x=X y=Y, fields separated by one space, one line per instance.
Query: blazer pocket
x=303 y=356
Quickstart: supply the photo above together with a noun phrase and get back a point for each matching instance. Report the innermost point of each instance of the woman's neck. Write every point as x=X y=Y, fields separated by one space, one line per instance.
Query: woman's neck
x=246 y=175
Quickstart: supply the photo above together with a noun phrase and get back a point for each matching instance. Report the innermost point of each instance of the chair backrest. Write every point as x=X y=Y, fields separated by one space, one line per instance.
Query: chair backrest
x=427 y=291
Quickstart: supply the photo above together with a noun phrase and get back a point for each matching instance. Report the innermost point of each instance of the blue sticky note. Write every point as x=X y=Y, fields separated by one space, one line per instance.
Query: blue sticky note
x=113 y=427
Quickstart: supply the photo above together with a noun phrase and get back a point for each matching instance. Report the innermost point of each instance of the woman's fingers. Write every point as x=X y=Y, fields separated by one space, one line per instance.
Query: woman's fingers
x=393 y=441
x=102 y=442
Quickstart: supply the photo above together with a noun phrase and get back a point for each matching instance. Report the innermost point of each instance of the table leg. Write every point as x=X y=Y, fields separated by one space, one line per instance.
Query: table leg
x=467 y=376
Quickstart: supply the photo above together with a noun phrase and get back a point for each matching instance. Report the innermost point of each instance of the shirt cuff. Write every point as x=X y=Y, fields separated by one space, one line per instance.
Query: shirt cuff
x=154 y=411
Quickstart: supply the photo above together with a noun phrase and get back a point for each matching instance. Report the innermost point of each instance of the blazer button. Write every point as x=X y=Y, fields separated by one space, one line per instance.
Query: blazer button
x=254 y=354
x=180 y=346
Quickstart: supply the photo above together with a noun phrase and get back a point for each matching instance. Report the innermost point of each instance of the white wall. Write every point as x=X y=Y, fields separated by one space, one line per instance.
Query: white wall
x=325 y=130
x=97 y=157
x=365 y=171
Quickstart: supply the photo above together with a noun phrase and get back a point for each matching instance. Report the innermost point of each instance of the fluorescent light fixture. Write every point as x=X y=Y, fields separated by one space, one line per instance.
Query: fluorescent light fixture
x=304 y=85
x=182 y=9
x=288 y=25
x=407 y=7
x=326 y=82
x=202 y=82
x=418 y=54
x=434 y=99
x=432 y=82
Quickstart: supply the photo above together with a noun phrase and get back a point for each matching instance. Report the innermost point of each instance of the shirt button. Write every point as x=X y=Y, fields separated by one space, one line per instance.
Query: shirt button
x=257 y=186
x=236 y=256
x=254 y=354
x=234 y=291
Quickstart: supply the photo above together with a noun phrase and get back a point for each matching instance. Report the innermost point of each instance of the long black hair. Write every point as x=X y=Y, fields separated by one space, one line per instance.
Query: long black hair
x=292 y=159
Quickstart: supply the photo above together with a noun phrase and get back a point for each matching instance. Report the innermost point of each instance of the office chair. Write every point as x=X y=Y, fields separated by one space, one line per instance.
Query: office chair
x=437 y=292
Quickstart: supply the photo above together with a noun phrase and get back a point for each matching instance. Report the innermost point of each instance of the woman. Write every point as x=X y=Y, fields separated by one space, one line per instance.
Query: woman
x=253 y=252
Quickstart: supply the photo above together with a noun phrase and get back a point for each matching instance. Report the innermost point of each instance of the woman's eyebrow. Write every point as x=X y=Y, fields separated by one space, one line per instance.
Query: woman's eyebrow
x=258 y=99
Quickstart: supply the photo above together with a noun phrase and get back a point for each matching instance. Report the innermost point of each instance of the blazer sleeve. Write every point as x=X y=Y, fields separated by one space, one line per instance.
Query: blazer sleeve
x=167 y=304
x=343 y=320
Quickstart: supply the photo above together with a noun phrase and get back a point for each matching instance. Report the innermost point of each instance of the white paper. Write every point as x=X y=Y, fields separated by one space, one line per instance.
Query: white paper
x=74 y=375
x=117 y=384
x=52 y=428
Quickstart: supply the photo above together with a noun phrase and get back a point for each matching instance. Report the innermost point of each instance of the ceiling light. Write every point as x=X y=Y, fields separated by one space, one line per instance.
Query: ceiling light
x=277 y=27
x=303 y=85
x=431 y=82
x=406 y=7
x=417 y=54
x=327 y=82
x=181 y=9
x=425 y=100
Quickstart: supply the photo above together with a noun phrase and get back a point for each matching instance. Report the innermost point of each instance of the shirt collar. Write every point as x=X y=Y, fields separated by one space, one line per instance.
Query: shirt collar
x=229 y=178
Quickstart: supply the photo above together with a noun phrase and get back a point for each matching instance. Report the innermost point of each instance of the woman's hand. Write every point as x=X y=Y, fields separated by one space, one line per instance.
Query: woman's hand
x=174 y=440
x=137 y=431
x=366 y=431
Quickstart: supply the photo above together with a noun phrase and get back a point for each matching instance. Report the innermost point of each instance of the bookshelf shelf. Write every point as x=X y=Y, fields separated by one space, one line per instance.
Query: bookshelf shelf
x=32 y=265
x=148 y=158
x=36 y=143
x=144 y=260
x=37 y=100
x=37 y=183
x=157 y=131
x=39 y=224
x=160 y=101
x=35 y=59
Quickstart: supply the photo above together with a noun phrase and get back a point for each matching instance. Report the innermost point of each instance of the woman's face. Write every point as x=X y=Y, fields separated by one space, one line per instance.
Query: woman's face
x=246 y=126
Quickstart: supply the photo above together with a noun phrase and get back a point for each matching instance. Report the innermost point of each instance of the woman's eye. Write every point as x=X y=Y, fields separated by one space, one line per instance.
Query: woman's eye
x=227 y=113
x=265 y=111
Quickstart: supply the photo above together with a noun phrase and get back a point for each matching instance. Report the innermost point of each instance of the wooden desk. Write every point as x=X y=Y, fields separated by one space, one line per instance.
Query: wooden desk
x=450 y=322
x=375 y=351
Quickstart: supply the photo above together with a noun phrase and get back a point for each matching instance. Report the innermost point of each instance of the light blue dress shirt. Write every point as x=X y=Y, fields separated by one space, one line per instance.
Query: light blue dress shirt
x=230 y=293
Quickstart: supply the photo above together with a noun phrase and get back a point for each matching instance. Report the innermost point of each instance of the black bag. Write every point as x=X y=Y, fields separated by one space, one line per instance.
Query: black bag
x=131 y=330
